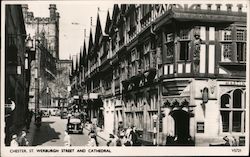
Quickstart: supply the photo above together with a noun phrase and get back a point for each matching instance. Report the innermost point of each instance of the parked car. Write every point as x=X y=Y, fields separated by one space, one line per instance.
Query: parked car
x=74 y=125
x=53 y=112
x=45 y=113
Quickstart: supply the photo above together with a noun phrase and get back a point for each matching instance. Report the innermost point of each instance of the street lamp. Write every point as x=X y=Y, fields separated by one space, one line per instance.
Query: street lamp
x=155 y=117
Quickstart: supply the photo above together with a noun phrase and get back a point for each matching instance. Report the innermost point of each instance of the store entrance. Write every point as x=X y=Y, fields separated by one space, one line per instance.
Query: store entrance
x=182 y=124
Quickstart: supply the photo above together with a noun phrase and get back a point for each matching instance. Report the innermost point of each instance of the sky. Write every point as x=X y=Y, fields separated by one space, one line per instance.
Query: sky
x=74 y=18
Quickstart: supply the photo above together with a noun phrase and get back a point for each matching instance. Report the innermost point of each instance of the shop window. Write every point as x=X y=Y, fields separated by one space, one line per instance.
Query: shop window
x=139 y=120
x=150 y=120
x=233 y=111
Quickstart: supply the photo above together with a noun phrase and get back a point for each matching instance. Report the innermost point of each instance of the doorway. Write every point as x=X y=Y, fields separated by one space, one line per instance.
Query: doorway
x=182 y=124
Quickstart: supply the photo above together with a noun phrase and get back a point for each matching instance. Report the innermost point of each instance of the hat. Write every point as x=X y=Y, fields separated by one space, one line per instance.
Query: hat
x=14 y=136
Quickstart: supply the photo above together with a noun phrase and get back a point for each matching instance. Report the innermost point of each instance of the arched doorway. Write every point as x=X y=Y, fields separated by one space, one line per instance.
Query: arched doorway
x=182 y=123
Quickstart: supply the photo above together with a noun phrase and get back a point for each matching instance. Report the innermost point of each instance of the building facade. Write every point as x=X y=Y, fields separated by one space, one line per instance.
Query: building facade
x=60 y=85
x=45 y=35
x=17 y=72
x=175 y=70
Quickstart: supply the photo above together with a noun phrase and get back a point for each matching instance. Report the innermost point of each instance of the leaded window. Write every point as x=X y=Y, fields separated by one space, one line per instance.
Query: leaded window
x=233 y=111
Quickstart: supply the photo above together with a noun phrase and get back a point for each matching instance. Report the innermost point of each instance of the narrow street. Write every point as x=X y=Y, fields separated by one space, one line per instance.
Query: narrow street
x=51 y=133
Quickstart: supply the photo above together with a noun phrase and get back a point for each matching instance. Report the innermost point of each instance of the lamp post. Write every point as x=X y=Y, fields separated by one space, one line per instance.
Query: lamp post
x=155 y=117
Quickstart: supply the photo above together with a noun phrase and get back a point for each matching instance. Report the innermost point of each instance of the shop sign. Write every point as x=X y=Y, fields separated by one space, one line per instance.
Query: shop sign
x=235 y=83
x=85 y=97
x=93 y=95
x=10 y=106
x=76 y=97
x=200 y=127
x=242 y=141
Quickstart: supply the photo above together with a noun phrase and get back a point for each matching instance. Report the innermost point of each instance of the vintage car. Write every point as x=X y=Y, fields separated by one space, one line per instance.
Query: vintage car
x=74 y=125
x=45 y=113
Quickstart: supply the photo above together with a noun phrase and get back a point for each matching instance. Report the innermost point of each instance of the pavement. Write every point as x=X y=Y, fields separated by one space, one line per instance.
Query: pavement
x=100 y=132
x=30 y=134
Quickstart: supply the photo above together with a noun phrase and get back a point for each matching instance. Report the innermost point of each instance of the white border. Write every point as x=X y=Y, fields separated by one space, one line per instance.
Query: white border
x=135 y=151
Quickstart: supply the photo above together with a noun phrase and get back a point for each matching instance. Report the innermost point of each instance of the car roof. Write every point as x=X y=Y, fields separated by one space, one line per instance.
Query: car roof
x=76 y=120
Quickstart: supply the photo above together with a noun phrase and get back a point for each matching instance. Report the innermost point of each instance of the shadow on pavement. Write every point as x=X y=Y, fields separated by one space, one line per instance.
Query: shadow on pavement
x=44 y=134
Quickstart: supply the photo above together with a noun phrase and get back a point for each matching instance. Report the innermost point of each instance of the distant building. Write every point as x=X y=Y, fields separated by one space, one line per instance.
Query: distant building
x=45 y=34
x=59 y=97
x=181 y=66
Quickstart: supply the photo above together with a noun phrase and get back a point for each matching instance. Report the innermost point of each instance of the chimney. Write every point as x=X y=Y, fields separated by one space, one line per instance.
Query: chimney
x=239 y=7
x=218 y=7
x=52 y=11
x=209 y=6
x=229 y=7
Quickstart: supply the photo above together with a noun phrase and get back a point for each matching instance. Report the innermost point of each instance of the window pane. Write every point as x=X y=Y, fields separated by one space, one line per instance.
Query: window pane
x=225 y=101
x=240 y=35
x=227 y=51
x=237 y=99
x=170 y=49
x=227 y=35
x=225 y=121
x=184 y=34
x=241 y=52
x=184 y=51
x=237 y=121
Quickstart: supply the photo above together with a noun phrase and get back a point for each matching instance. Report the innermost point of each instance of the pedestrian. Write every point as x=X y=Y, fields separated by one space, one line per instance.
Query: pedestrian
x=23 y=140
x=134 y=137
x=67 y=139
x=92 y=141
x=234 y=141
x=227 y=142
x=122 y=138
x=93 y=134
x=93 y=130
x=14 y=142
x=111 y=141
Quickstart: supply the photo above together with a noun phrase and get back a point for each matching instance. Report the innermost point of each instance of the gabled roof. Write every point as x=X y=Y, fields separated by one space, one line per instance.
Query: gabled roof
x=102 y=18
x=114 y=15
x=93 y=28
x=91 y=43
x=98 y=30
x=108 y=23
x=84 y=54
